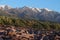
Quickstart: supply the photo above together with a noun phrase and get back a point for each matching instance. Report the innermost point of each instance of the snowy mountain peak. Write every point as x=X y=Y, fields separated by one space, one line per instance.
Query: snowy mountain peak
x=2 y=6
x=5 y=7
x=36 y=9
x=47 y=9
x=27 y=7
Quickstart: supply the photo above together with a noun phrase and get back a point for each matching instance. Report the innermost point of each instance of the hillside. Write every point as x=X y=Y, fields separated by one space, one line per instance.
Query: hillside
x=29 y=23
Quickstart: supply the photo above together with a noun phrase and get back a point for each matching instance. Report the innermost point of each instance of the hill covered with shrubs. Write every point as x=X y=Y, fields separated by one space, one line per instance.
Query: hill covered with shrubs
x=36 y=24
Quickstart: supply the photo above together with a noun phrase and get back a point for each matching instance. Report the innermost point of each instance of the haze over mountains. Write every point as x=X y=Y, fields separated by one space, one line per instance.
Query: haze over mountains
x=30 y=13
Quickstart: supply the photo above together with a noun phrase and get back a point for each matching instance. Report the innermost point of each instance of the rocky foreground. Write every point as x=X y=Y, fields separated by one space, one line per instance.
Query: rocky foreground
x=8 y=32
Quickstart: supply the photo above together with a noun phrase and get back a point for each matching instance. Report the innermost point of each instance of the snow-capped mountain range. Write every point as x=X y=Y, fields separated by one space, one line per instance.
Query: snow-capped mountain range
x=34 y=9
x=30 y=13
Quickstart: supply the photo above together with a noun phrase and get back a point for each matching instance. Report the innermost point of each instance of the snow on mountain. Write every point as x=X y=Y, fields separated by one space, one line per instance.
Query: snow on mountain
x=36 y=9
x=5 y=7
x=47 y=9
x=2 y=6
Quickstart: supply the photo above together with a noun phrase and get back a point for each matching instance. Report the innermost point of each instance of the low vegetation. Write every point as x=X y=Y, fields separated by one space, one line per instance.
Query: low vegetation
x=29 y=23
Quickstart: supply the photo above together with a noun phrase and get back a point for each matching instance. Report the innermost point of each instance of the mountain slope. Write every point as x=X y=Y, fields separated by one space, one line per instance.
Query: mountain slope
x=33 y=13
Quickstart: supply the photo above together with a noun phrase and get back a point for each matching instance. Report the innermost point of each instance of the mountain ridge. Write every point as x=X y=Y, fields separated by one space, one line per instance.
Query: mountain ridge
x=33 y=13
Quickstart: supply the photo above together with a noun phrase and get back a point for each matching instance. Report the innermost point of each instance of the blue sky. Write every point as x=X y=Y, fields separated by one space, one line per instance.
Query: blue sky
x=50 y=4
